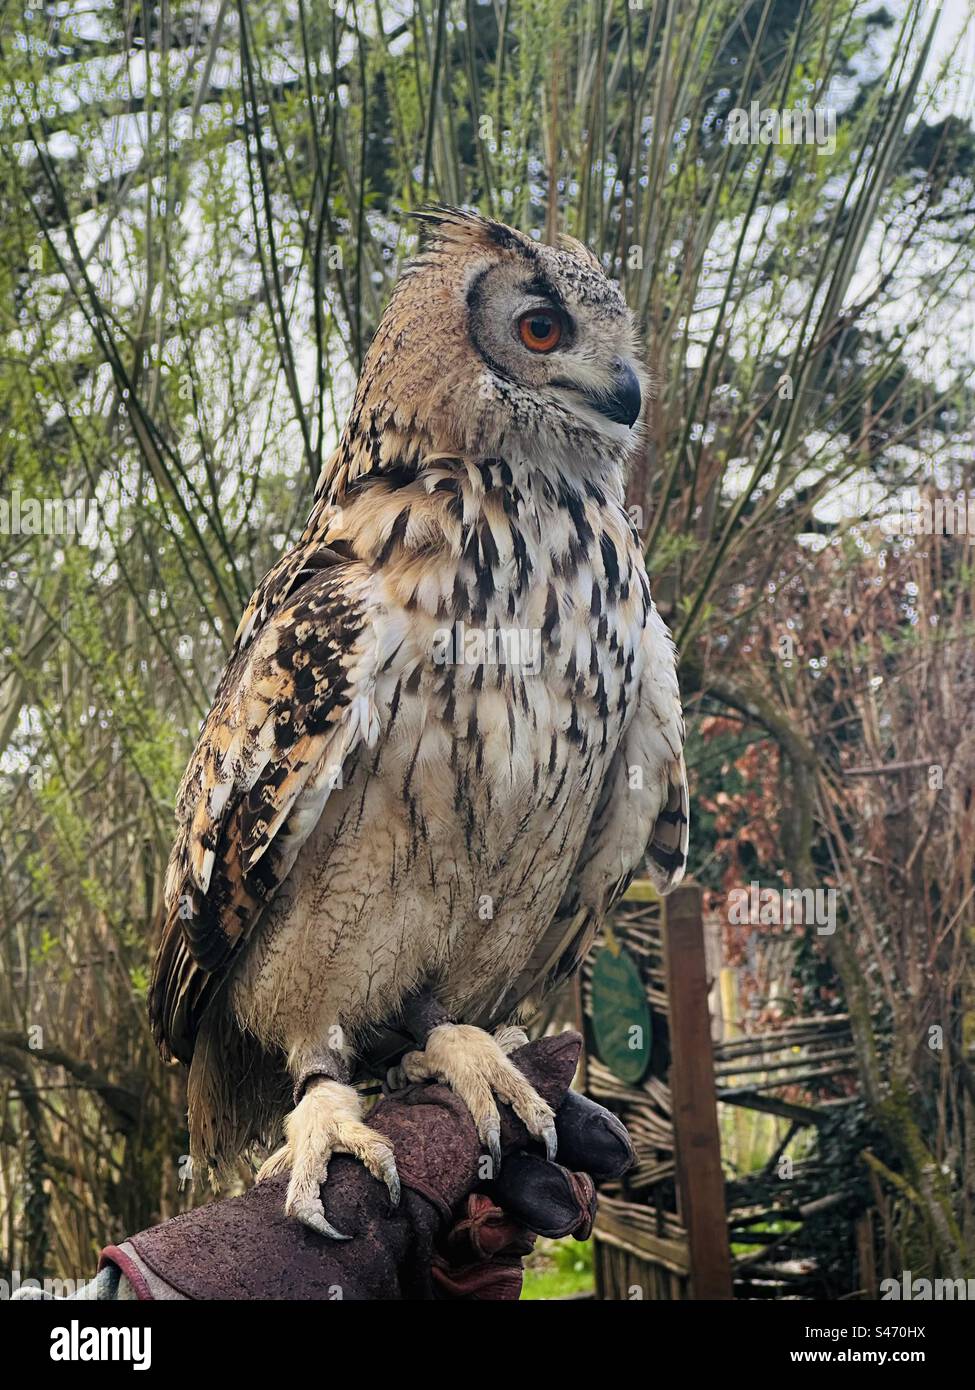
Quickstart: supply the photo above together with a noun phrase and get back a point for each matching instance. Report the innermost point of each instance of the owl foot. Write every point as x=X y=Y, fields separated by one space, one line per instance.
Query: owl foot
x=510 y=1038
x=475 y=1067
x=327 y=1120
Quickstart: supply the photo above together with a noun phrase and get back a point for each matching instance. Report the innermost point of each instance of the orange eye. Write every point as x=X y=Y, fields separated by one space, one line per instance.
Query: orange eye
x=540 y=330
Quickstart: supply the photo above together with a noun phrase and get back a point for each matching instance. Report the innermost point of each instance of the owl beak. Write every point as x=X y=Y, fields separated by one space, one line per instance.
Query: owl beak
x=622 y=402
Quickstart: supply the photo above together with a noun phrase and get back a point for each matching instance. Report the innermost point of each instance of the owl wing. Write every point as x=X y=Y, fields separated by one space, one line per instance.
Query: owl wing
x=294 y=702
x=641 y=813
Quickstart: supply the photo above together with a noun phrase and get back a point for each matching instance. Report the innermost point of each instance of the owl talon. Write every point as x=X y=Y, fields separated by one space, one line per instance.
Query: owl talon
x=304 y=1204
x=550 y=1139
x=491 y=1138
x=309 y=1216
x=326 y=1121
x=391 y=1179
x=475 y=1067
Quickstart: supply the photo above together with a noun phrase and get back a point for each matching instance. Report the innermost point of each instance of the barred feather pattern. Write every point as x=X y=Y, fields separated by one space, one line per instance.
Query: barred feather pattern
x=374 y=804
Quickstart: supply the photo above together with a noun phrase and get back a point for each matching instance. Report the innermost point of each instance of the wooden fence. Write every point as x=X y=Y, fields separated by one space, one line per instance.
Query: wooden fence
x=662 y=1232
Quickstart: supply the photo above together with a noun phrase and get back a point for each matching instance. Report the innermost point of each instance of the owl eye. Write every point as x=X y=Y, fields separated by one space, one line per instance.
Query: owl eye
x=540 y=329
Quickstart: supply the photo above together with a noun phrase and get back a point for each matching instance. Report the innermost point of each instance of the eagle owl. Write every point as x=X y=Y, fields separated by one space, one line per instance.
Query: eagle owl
x=448 y=733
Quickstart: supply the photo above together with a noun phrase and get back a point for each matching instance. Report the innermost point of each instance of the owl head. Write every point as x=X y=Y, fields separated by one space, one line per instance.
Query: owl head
x=496 y=344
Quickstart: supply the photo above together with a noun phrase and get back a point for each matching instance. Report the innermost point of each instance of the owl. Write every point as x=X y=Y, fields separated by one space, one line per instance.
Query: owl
x=447 y=735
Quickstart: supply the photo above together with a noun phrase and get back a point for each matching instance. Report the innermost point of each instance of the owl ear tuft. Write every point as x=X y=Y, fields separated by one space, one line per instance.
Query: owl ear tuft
x=580 y=250
x=465 y=227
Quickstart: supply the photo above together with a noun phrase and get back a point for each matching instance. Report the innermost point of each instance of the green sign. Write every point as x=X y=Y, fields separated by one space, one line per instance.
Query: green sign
x=621 y=1020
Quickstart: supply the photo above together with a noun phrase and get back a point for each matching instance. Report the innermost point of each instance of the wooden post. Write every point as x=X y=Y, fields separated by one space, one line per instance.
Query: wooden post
x=866 y=1261
x=695 y=1114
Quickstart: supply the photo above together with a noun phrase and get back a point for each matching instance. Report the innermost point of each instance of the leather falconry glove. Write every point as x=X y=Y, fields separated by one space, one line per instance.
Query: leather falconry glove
x=457 y=1232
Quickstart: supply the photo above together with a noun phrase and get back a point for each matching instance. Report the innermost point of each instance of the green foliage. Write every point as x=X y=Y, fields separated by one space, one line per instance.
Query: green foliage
x=558 y=1269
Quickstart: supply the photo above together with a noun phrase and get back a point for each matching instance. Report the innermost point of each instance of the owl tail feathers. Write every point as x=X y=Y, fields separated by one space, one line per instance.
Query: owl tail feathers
x=237 y=1094
x=667 y=850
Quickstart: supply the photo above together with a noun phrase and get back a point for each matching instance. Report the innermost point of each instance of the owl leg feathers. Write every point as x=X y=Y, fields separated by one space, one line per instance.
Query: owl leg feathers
x=327 y=1119
x=476 y=1068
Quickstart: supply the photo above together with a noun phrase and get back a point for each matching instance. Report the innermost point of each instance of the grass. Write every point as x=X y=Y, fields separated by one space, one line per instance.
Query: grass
x=558 y=1269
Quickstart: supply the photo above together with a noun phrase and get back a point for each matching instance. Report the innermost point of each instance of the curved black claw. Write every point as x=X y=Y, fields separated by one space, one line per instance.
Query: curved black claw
x=391 y=1179
x=492 y=1139
x=550 y=1139
x=316 y=1222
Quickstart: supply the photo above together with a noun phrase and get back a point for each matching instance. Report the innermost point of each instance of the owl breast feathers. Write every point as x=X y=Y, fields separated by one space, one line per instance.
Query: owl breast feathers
x=449 y=731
